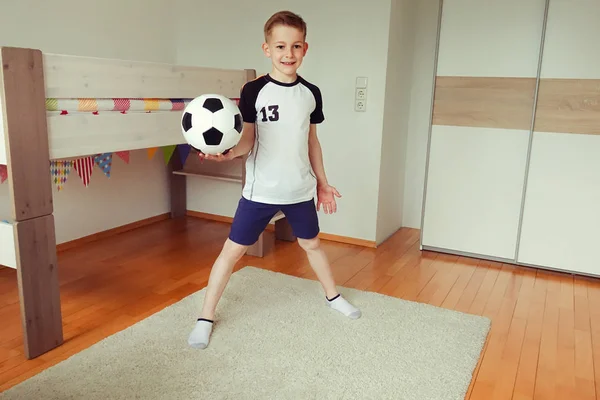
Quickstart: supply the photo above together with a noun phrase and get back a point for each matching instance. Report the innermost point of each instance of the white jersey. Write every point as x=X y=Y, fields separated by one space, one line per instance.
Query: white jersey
x=278 y=169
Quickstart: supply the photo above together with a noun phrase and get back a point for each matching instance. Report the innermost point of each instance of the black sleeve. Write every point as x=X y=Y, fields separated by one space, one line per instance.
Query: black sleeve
x=247 y=104
x=316 y=117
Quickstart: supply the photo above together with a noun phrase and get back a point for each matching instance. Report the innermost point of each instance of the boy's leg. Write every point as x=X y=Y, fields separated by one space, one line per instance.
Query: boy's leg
x=219 y=276
x=249 y=221
x=305 y=224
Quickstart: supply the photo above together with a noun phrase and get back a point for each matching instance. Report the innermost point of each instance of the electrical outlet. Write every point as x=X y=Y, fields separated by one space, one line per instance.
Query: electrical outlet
x=361 y=94
x=360 y=105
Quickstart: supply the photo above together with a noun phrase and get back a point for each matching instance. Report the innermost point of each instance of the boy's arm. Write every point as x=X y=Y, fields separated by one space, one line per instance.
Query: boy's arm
x=246 y=142
x=316 y=156
x=325 y=192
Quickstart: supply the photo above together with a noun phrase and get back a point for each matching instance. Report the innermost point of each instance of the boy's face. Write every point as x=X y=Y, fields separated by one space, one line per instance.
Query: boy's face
x=286 y=48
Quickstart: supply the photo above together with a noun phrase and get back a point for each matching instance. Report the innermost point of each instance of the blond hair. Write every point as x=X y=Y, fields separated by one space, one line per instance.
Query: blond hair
x=286 y=18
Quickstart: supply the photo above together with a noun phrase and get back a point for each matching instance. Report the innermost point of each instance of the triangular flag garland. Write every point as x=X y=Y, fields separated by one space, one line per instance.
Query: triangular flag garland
x=84 y=167
x=60 y=172
x=104 y=161
x=3 y=173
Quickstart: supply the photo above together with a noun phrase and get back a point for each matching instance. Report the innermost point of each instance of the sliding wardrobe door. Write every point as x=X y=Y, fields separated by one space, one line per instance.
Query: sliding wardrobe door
x=487 y=65
x=561 y=220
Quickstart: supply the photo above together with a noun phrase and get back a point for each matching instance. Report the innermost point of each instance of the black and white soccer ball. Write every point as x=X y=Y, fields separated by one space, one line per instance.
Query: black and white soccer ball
x=212 y=124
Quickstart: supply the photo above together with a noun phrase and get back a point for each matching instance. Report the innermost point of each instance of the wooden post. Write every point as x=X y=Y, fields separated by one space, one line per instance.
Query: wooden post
x=30 y=189
x=178 y=187
x=283 y=230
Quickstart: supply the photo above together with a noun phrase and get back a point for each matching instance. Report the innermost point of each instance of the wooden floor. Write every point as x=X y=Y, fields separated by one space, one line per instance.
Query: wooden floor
x=544 y=343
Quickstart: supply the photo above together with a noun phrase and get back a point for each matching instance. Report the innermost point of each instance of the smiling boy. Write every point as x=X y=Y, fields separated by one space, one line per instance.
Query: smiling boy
x=284 y=168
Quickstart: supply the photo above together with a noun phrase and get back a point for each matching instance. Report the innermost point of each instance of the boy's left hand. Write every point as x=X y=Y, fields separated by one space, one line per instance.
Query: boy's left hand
x=326 y=197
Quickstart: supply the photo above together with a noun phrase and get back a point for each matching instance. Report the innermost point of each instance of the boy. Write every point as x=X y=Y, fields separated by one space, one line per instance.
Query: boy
x=285 y=151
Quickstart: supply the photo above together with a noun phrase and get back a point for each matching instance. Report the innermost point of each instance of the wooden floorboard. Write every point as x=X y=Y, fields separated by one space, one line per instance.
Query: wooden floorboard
x=545 y=336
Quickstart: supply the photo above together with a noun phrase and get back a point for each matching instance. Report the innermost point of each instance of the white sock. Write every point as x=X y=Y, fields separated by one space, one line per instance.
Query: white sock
x=342 y=305
x=200 y=336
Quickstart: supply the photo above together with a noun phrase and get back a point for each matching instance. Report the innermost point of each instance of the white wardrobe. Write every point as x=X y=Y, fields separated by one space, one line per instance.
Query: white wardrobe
x=513 y=166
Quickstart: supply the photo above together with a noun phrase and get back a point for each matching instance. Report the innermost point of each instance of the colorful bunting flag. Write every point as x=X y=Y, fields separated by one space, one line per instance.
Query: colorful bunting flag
x=3 y=173
x=151 y=152
x=124 y=156
x=59 y=170
x=168 y=152
x=104 y=161
x=84 y=167
x=184 y=152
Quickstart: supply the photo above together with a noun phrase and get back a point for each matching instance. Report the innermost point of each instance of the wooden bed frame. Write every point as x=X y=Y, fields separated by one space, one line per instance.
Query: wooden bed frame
x=30 y=138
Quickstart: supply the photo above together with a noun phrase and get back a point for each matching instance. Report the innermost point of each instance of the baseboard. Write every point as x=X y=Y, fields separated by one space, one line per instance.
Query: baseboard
x=211 y=217
x=271 y=227
x=348 y=240
x=111 y=232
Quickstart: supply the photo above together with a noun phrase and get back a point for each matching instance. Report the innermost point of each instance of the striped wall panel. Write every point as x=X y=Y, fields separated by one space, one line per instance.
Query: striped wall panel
x=481 y=125
x=561 y=220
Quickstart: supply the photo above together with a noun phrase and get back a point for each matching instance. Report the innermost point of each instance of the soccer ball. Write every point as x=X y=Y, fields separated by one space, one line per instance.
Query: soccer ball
x=212 y=124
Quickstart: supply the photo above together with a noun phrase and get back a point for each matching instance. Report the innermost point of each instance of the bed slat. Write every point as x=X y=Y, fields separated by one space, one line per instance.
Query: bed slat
x=77 y=77
x=86 y=134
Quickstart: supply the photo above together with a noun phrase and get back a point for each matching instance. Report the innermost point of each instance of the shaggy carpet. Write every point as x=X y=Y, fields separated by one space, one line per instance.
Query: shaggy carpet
x=275 y=338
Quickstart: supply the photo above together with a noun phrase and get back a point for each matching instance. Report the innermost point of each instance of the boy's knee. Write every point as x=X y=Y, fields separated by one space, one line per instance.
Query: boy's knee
x=309 y=244
x=233 y=250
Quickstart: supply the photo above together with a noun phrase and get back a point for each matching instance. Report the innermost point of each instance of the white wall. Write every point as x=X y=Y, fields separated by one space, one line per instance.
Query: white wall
x=396 y=117
x=230 y=35
x=132 y=29
x=420 y=110
x=372 y=158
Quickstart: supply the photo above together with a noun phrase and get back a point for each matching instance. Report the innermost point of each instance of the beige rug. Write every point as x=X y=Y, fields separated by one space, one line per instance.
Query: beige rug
x=276 y=339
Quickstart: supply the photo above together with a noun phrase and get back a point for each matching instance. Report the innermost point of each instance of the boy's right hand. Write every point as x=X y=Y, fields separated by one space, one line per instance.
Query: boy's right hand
x=227 y=156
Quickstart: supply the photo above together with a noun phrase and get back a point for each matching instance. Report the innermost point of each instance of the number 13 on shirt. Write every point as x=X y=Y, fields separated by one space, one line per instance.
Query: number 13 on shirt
x=273 y=113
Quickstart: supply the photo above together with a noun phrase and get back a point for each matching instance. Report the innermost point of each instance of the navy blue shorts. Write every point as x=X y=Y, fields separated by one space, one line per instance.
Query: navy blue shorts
x=251 y=218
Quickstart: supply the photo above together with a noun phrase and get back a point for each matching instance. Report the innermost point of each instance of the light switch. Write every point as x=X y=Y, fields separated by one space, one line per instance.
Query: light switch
x=361 y=82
